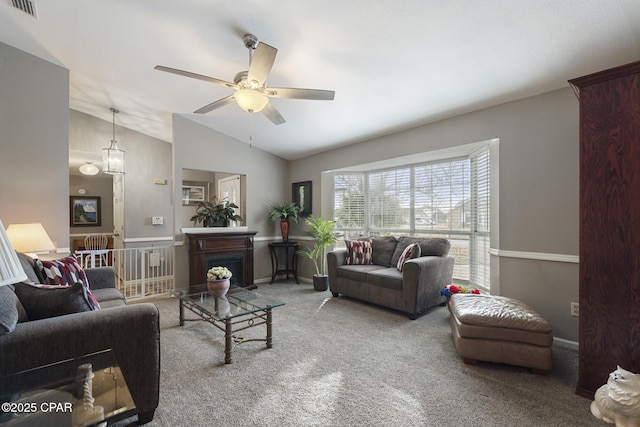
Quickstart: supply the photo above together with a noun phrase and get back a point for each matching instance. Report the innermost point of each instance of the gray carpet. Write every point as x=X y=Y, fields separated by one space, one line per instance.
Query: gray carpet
x=340 y=362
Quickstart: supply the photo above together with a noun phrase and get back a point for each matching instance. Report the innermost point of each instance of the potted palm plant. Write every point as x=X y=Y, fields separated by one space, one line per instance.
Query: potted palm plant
x=323 y=234
x=285 y=212
x=214 y=214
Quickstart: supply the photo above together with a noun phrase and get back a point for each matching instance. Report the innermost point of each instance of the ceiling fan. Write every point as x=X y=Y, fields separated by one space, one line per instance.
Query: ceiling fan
x=251 y=92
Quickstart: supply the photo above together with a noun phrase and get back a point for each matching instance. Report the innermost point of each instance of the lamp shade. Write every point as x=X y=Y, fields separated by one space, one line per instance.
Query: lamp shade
x=250 y=100
x=29 y=238
x=10 y=268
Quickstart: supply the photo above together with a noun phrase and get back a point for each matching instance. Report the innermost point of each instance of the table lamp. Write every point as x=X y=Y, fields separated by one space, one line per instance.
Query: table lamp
x=30 y=238
x=10 y=268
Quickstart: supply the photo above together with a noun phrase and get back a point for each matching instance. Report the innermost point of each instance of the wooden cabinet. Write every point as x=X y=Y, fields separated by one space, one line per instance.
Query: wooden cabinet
x=609 y=329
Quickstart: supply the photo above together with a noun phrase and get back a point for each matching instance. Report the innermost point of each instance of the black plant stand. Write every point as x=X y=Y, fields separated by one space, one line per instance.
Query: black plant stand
x=290 y=250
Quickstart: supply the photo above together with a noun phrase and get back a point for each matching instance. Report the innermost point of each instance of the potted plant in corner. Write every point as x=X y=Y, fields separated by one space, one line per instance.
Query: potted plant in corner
x=285 y=212
x=214 y=214
x=323 y=234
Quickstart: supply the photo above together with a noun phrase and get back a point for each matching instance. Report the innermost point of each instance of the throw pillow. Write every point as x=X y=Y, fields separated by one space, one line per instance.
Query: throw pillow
x=358 y=252
x=8 y=310
x=65 y=272
x=411 y=251
x=42 y=301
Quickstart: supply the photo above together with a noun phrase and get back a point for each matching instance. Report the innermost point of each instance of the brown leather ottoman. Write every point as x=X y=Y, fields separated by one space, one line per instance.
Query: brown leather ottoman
x=501 y=330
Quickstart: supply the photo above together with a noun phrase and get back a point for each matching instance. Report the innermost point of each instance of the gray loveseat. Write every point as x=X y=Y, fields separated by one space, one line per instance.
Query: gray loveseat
x=131 y=331
x=413 y=290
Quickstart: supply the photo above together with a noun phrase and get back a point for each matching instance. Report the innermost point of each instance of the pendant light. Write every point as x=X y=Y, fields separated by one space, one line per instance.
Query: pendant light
x=113 y=157
x=88 y=168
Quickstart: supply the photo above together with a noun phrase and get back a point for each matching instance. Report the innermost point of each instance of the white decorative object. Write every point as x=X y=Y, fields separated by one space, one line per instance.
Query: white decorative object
x=85 y=413
x=618 y=401
x=10 y=268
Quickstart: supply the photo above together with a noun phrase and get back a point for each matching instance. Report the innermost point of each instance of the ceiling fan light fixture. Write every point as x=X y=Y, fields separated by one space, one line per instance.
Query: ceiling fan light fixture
x=89 y=169
x=250 y=100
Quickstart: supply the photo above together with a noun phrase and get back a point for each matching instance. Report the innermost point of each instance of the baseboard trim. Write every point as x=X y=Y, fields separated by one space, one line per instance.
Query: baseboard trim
x=279 y=238
x=282 y=277
x=540 y=256
x=561 y=342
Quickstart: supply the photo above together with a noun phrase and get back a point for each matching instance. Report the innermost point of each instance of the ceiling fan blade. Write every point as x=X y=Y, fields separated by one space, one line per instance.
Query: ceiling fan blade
x=261 y=63
x=195 y=76
x=272 y=114
x=294 y=93
x=216 y=104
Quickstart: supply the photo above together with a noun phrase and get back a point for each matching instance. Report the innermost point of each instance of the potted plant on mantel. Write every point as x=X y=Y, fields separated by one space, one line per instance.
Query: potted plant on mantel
x=323 y=234
x=285 y=212
x=214 y=214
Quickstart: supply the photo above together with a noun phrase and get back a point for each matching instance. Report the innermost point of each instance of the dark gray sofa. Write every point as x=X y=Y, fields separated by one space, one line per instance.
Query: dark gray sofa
x=412 y=291
x=131 y=331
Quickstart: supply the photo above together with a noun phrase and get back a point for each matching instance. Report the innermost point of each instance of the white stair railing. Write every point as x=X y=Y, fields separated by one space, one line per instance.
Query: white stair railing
x=140 y=272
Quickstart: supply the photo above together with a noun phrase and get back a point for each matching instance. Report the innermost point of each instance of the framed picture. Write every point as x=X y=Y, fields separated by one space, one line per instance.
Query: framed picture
x=194 y=191
x=85 y=211
x=301 y=196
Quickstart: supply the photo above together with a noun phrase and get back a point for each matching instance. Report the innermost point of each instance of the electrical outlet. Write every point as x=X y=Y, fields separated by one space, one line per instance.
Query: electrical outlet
x=575 y=309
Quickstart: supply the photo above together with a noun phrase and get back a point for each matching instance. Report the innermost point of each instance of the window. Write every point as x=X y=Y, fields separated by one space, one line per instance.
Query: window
x=448 y=198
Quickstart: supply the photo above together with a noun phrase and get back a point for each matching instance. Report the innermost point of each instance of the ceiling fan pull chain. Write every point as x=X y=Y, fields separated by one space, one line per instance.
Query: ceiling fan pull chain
x=251 y=130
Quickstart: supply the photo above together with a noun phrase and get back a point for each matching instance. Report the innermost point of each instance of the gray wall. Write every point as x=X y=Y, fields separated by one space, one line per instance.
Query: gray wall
x=34 y=143
x=146 y=158
x=538 y=191
x=198 y=147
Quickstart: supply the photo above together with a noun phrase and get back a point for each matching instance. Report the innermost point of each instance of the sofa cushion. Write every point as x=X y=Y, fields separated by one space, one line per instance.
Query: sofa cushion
x=108 y=294
x=410 y=252
x=22 y=313
x=358 y=252
x=428 y=246
x=44 y=302
x=357 y=272
x=435 y=247
x=29 y=267
x=112 y=303
x=65 y=272
x=382 y=249
x=385 y=278
x=8 y=310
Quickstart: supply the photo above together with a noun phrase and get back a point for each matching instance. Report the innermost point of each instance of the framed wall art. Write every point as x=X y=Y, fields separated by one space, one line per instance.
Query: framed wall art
x=193 y=192
x=85 y=211
x=301 y=195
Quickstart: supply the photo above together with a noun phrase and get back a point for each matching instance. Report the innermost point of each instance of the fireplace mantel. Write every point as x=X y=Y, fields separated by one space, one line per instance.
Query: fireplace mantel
x=204 y=245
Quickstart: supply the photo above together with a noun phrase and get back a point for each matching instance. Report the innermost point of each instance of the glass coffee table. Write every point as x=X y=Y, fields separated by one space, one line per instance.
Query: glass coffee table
x=85 y=391
x=236 y=311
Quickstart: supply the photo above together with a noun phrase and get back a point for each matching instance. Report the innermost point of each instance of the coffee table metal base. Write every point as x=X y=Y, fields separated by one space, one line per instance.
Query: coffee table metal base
x=232 y=325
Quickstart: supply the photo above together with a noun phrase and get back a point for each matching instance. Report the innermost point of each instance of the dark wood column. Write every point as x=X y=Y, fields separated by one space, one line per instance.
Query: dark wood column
x=609 y=225
x=203 y=245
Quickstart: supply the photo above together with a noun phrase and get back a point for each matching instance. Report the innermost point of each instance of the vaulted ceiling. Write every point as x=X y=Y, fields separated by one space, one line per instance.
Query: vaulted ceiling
x=392 y=64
